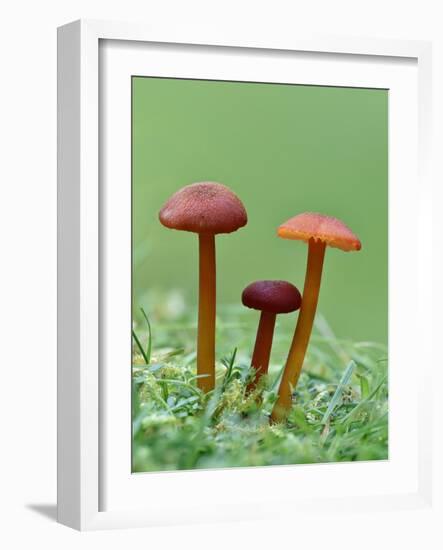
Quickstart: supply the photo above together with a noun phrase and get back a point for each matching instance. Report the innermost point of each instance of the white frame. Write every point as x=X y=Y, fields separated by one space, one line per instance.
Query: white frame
x=119 y=61
x=79 y=253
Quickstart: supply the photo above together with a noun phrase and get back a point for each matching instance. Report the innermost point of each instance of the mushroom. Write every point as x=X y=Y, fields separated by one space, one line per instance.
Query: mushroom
x=271 y=298
x=206 y=208
x=318 y=231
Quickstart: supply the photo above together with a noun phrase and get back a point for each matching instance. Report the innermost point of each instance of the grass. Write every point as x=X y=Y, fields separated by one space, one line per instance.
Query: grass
x=339 y=413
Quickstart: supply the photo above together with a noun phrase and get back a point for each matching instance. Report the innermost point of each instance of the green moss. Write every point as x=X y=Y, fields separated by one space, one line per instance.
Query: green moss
x=176 y=426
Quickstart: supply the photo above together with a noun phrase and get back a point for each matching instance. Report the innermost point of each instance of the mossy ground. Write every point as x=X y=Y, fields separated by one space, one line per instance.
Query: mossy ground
x=339 y=412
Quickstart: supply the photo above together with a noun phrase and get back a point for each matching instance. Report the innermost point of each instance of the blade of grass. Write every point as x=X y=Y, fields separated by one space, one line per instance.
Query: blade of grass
x=230 y=365
x=184 y=402
x=277 y=379
x=364 y=402
x=149 y=344
x=325 y=330
x=173 y=353
x=335 y=398
x=364 y=386
x=140 y=347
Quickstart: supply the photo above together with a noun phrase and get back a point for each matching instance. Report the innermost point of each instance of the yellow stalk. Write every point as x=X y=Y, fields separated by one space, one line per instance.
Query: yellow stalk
x=300 y=341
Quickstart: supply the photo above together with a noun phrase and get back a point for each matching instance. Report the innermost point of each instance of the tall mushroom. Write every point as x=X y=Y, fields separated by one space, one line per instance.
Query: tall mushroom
x=271 y=298
x=206 y=208
x=318 y=231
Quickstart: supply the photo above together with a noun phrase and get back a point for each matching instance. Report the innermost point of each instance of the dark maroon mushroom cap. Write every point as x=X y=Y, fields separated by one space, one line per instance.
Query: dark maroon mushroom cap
x=204 y=207
x=272 y=296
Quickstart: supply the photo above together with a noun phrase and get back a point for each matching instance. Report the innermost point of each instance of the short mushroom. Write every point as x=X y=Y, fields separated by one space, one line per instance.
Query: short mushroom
x=205 y=208
x=318 y=231
x=271 y=298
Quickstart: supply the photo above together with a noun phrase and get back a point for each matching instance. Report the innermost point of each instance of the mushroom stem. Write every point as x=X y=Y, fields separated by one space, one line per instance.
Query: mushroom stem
x=300 y=341
x=262 y=348
x=206 y=314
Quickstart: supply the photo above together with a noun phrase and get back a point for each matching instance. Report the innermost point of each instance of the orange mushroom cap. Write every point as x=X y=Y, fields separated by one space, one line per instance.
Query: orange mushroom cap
x=272 y=296
x=319 y=227
x=204 y=207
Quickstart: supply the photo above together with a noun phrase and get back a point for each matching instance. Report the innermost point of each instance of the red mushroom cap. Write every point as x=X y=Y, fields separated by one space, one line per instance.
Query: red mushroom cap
x=204 y=207
x=311 y=225
x=272 y=296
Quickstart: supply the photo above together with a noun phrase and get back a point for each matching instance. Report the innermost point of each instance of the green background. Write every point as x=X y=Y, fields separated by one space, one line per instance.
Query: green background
x=284 y=149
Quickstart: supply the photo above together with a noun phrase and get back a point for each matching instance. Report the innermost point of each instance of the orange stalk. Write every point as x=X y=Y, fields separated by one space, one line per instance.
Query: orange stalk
x=300 y=341
x=262 y=348
x=206 y=313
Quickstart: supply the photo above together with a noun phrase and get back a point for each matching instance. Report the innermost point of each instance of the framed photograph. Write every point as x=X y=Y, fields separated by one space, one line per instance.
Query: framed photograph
x=241 y=276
